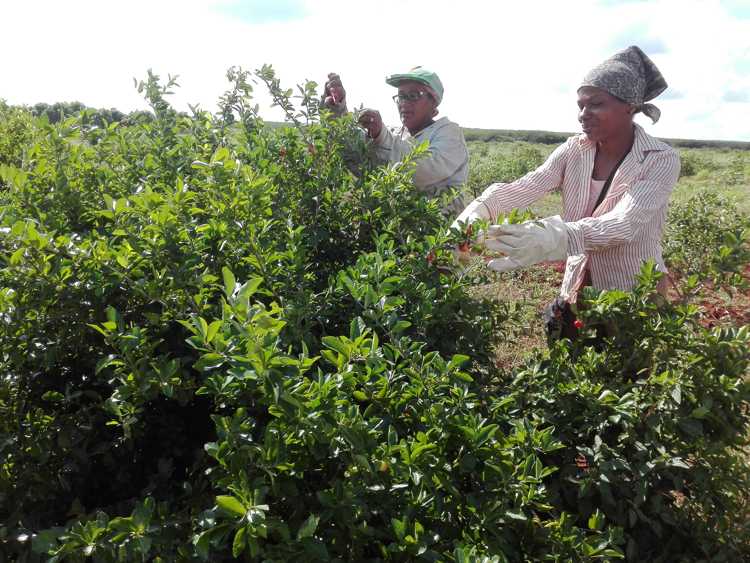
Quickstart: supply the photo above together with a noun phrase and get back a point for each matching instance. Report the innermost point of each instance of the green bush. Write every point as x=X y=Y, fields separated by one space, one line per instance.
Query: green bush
x=16 y=131
x=649 y=423
x=692 y=163
x=486 y=169
x=738 y=171
x=225 y=341
x=707 y=238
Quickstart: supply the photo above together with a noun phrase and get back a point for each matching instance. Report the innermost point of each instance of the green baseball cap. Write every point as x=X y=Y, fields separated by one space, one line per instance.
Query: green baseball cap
x=419 y=74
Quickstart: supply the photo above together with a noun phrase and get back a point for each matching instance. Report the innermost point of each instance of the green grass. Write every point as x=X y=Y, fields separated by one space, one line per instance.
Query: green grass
x=726 y=172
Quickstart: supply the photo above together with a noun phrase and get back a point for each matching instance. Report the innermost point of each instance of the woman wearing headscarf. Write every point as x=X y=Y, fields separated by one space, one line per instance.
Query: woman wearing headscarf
x=615 y=180
x=420 y=92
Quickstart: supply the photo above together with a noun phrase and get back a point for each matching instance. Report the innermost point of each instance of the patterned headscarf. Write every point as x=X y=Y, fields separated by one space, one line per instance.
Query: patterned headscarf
x=630 y=76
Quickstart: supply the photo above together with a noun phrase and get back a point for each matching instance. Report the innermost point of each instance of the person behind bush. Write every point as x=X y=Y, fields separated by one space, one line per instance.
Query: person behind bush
x=420 y=92
x=615 y=181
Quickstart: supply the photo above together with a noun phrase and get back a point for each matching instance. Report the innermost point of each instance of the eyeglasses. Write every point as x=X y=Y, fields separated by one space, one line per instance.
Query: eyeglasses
x=400 y=98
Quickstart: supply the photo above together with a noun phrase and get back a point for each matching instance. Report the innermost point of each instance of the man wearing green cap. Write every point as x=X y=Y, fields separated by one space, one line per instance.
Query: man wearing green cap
x=420 y=92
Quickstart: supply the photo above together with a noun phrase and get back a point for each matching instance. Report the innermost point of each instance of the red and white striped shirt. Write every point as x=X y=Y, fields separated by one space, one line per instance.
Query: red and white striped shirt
x=624 y=231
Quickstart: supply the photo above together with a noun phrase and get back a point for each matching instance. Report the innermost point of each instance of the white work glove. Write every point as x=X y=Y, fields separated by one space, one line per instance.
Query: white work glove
x=525 y=244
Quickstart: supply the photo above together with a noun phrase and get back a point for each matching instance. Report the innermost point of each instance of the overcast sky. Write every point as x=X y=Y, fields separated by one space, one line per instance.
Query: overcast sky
x=509 y=65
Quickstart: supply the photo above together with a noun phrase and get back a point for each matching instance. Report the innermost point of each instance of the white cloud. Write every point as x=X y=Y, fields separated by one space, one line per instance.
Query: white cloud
x=504 y=65
x=740 y=96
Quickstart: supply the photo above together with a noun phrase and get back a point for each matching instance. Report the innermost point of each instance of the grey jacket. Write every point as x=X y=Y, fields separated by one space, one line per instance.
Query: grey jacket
x=446 y=163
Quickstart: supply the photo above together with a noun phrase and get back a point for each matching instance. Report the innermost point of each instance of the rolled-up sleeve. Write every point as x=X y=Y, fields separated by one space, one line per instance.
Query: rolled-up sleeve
x=636 y=208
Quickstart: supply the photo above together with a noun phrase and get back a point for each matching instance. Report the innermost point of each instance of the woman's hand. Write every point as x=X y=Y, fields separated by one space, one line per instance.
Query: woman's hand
x=371 y=121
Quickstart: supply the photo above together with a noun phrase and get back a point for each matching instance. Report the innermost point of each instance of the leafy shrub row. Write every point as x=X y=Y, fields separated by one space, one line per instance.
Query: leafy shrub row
x=220 y=340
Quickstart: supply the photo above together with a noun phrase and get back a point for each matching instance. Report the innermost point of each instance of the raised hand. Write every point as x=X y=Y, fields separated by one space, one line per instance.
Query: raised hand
x=334 y=94
x=371 y=121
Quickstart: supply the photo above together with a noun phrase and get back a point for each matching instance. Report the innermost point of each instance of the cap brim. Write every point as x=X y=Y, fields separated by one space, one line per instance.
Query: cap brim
x=396 y=79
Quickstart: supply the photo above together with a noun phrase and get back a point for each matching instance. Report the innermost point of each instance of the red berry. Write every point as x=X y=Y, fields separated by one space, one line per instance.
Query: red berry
x=431 y=257
x=582 y=462
x=578 y=323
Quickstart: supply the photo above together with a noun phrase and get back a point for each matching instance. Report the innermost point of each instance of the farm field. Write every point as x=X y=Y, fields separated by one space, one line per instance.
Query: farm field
x=225 y=341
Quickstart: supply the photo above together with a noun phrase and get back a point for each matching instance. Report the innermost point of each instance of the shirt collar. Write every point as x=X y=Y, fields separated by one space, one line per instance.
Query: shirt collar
x=427 y=129
x=642 y=143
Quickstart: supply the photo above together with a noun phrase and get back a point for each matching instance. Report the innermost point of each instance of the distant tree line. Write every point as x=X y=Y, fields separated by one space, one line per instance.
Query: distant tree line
x=509 y=135
x=60 y=110
x=554 y=138
x=100 y=117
